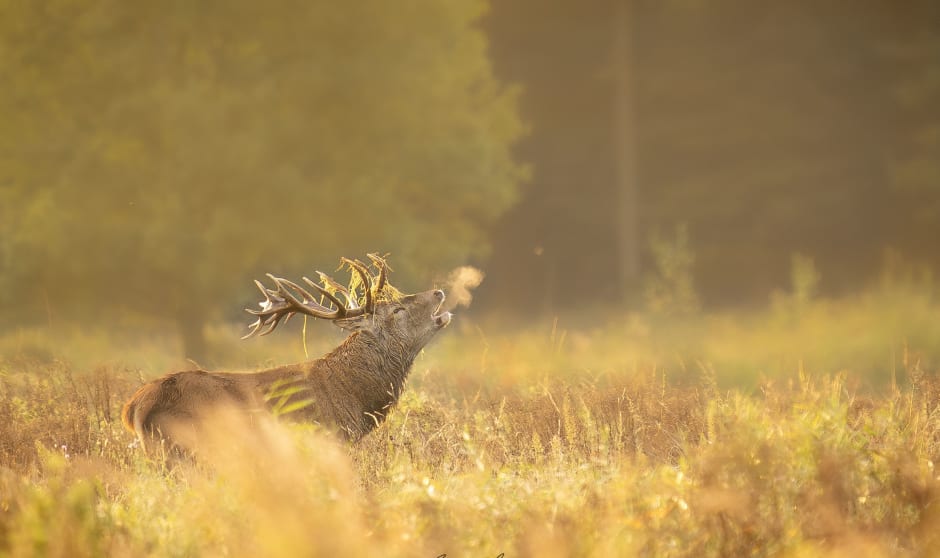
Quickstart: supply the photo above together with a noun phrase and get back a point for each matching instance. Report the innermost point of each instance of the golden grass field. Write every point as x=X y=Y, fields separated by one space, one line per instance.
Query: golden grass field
x=810 y=431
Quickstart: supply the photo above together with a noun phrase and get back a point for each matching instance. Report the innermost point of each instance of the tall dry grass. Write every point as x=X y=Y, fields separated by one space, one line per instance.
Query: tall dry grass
x=623 y=440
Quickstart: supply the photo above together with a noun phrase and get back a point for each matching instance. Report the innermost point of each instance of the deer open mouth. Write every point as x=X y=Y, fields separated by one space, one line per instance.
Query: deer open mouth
x=441 y=319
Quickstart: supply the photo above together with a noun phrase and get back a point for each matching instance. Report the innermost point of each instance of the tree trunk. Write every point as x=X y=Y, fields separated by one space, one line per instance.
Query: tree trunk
x=624 y=132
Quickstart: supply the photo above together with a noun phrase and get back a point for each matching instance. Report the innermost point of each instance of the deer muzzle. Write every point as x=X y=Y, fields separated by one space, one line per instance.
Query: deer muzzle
x=443 y=318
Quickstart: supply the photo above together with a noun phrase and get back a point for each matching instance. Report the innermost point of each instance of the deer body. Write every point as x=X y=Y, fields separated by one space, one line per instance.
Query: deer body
x=349 y=390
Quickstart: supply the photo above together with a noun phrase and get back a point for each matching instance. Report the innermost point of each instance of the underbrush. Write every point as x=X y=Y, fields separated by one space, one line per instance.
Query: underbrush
x=625 y=441
x=655 y=468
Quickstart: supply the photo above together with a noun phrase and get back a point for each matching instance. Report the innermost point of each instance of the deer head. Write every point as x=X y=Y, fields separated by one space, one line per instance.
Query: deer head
x=369 y=305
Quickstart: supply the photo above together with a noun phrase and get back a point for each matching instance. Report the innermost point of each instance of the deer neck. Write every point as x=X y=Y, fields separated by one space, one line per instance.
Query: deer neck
x=374 y=369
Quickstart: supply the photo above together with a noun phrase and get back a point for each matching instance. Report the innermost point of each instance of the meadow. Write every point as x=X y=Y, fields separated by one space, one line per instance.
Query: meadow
x=807 y=429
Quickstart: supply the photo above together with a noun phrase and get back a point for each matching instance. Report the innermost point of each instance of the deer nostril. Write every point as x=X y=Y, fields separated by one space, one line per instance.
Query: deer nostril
x=439 y=294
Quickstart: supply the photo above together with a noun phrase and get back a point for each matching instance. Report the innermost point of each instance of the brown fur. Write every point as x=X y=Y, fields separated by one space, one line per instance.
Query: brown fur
x=349 y=390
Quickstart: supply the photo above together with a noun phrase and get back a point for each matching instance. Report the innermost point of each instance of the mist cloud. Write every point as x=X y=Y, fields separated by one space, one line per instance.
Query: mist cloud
x=460 y=282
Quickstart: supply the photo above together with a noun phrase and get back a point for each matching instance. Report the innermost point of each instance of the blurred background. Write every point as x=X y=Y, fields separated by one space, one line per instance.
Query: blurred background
x=595 y=159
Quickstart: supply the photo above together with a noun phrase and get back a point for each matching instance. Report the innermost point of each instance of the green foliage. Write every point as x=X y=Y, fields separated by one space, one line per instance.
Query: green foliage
x=804 y=284
x=73 y=508
x=282 y=394
x=152 y=158
x=671 y=290
x=804 y=279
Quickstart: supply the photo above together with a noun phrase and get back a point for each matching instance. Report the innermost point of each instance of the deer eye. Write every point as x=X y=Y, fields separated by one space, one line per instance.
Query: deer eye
x=399 y=309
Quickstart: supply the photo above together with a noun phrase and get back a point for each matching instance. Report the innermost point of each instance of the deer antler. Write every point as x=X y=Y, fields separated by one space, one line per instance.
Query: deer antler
x=289 y=298
x=379 y=262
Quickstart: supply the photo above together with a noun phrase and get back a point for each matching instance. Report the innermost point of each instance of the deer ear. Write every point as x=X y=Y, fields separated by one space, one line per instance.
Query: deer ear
x=355 y=323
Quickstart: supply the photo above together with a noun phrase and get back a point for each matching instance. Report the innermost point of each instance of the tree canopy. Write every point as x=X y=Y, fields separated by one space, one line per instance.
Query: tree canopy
x=155 y=155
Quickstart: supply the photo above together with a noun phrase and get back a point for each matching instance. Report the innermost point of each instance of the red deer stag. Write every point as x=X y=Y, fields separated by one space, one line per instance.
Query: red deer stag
x=348 y=390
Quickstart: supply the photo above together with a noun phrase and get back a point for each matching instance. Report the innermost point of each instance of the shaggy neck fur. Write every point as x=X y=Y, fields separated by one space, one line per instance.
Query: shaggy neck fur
x=355 y=385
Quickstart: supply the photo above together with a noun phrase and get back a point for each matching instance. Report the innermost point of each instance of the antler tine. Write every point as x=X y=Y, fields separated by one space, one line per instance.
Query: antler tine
x=309 y=304
x=282 y=303
x=379 y=262
x=268 y=293
x=331 y=283
x=289 y=298
x=267 y=311
x=254 y=327
x=366 y=278
x=273 y=322
x=309 y=299
x=270 y=322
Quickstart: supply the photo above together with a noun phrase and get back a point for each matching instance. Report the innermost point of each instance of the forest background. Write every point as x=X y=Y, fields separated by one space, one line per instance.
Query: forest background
x=593 y=158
